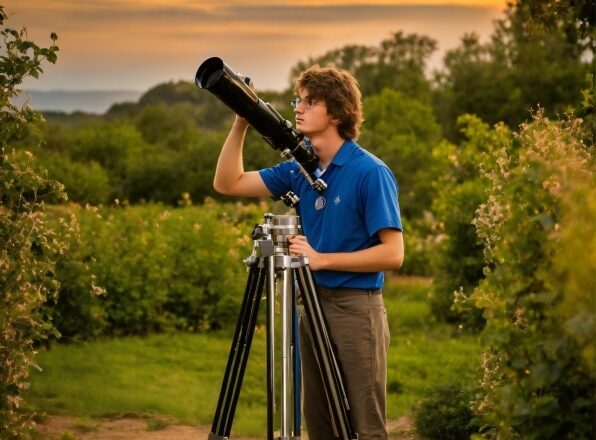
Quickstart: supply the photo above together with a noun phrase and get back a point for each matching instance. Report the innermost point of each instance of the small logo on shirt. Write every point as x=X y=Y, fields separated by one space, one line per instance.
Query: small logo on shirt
x=319 y=203
x=337 y=201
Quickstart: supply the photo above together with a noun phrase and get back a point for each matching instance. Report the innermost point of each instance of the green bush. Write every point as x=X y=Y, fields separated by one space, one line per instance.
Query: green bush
x=95 y=158
x=27 y=245
x=402 y=131
x=171 y=126
x=445 y=413
x=458 y=261
x=83 y=182
x=138 y=160
x=537 y=226
x=161 y=268
x=420 y=242
x=162 y=175
x=111 y=145
x=77 y=311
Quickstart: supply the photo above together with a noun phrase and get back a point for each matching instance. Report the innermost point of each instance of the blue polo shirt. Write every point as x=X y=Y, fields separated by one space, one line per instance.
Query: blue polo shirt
x=361 y=199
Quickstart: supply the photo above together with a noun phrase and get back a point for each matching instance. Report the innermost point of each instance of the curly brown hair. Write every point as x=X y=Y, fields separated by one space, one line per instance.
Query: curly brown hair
x=340 y=91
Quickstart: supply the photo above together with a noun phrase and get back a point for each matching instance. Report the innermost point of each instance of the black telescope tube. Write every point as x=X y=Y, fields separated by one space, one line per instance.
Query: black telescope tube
x=218 y=78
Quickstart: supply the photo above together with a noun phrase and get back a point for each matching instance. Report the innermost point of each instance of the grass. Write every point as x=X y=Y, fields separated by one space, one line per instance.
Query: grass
x=179 y=375
x=423 y=353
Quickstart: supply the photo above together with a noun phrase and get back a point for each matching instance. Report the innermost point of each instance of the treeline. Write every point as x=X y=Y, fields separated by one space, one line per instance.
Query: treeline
x=167 y=143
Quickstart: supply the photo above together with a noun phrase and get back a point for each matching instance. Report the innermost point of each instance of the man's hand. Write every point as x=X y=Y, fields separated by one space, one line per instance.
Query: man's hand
x=387 y=255
x=299 y=246
x=240 y=121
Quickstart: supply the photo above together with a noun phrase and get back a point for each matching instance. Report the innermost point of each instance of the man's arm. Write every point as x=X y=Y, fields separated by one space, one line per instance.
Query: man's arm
x=387 y=255
x=230 y=177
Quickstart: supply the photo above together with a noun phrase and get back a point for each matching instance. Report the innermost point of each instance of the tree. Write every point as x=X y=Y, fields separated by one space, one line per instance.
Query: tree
x=403 y=132
x=199 y=107
x=398 y=63
x=27 y=246
x=539 y=56
x=83 y=182
x=458 y=261
x=537 y=229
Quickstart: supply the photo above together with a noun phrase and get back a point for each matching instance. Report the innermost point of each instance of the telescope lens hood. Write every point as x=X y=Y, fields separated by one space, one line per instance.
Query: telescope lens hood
x=209 y=72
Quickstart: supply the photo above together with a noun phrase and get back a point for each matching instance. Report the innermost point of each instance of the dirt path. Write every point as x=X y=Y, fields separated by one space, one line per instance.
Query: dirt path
x=152 y=428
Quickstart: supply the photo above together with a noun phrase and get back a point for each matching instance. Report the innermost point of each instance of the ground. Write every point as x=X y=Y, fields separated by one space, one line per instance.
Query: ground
x=152 y=428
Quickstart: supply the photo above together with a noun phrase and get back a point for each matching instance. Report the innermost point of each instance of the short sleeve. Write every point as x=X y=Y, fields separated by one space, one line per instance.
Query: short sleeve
x=278 y=179
x=380 y=195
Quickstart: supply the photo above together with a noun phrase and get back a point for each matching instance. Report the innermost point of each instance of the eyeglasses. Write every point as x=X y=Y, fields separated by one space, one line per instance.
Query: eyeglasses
x=308 y=102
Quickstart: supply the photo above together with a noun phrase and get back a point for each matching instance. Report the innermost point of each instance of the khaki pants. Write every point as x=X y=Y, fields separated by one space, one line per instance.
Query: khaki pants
x=357 y=326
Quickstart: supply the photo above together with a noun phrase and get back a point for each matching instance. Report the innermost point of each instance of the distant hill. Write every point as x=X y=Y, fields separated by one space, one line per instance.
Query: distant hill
x=89 y=101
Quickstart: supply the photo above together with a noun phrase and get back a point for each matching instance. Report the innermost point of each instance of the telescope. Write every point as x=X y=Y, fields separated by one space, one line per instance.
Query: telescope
x=218 y=78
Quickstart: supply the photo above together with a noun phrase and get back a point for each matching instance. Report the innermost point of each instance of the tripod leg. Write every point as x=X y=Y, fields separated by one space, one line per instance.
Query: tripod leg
x=296 y=367
x=286 y=366
x=270 y=345
x=329 y=367
x=238 y=357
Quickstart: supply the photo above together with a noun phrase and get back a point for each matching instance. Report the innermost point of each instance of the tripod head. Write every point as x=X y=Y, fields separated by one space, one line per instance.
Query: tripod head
x=272 y=237
x=218 y=78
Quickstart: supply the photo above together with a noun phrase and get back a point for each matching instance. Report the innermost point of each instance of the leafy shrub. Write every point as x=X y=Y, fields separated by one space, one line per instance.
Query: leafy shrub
x=537 y=226
x=94 y=158
x=27 y=245
x=162 y=175
x=445 y=413
x=162 y=268
x=28 y=249
x=458 y=260
x=111 y=145
x=83 y=182
x=102 y=160
x=171 y=126
x=420 y=243
x=77 y=312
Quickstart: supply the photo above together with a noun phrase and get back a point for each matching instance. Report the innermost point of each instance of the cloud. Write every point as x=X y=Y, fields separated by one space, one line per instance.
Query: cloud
x=81 y=13
x=137 y=43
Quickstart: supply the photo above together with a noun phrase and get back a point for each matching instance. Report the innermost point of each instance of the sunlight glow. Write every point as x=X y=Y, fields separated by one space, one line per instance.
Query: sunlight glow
x=137 y=43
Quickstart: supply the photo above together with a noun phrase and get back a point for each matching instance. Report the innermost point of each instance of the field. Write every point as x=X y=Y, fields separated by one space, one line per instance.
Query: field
x=174 y=379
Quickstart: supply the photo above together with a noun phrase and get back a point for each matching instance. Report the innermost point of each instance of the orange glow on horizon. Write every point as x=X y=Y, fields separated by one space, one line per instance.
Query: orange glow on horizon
x=133 y=44
x=210 y=5
x=480 y=3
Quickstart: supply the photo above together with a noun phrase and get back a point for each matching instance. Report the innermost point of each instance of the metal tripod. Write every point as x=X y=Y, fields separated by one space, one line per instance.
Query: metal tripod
x=270 y=262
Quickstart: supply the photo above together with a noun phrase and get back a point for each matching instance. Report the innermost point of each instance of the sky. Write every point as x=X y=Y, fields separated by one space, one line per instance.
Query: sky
x=136 y=44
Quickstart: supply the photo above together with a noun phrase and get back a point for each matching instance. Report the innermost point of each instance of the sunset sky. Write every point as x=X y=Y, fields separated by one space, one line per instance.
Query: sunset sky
x=135 y=44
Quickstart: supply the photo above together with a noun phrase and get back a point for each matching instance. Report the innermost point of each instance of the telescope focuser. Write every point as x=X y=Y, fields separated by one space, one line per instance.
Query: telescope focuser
x=290 y=199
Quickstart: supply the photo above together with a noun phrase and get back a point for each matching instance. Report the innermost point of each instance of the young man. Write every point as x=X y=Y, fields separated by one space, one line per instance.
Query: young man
x=352 y=234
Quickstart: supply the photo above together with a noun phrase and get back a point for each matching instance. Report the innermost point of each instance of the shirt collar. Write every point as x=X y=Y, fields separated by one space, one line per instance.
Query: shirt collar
x=344 y=153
